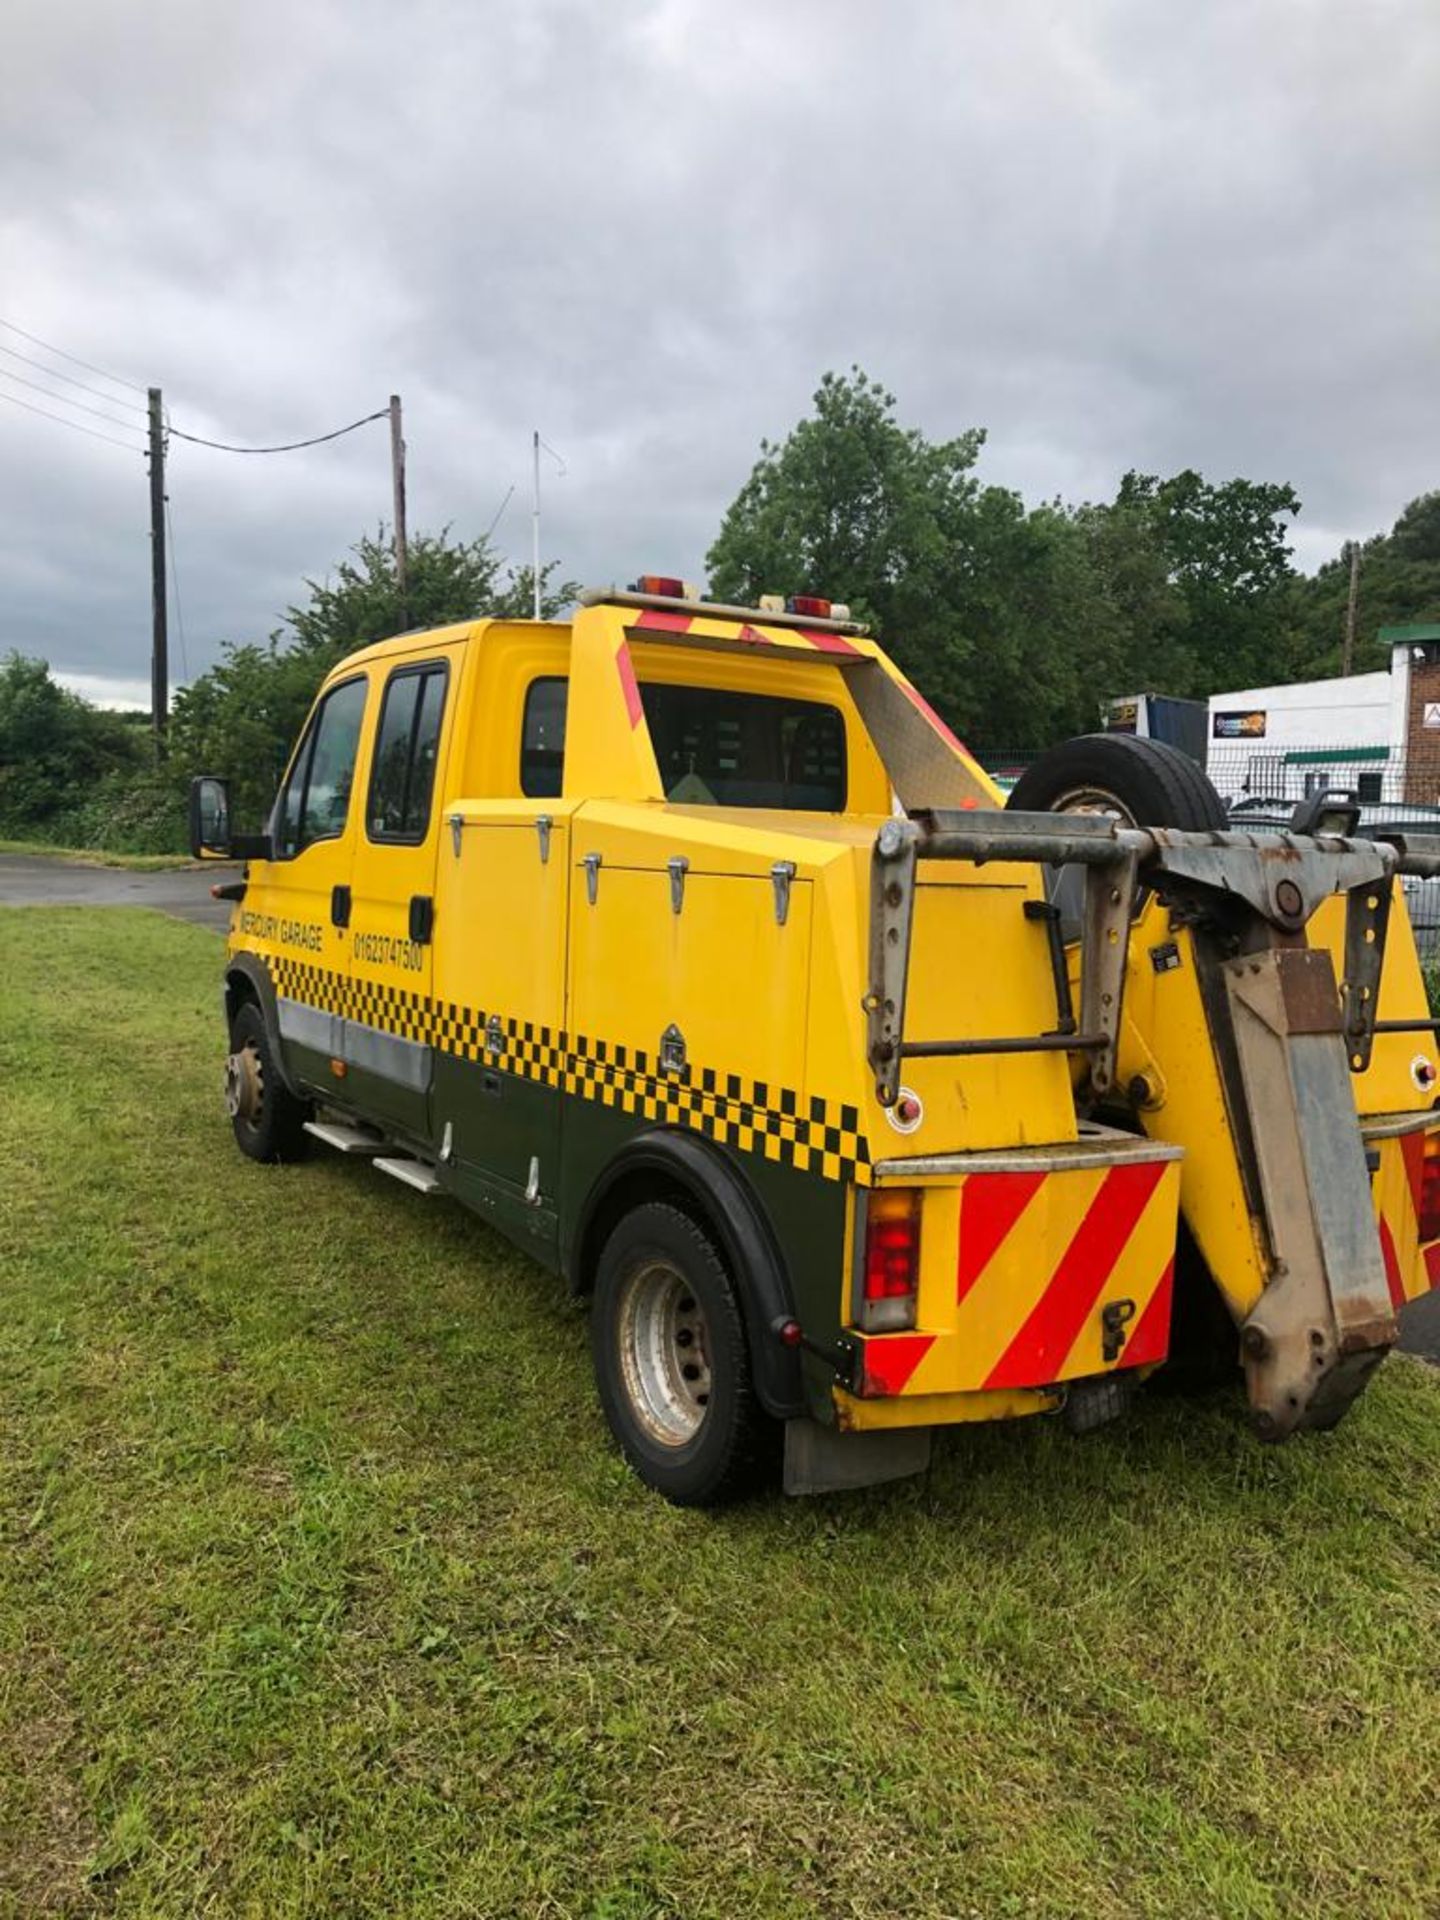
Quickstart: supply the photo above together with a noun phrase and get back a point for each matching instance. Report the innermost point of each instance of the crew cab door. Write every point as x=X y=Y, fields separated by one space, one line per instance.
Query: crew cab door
x=500 y=938
x=388 y=1041
x=297 y=904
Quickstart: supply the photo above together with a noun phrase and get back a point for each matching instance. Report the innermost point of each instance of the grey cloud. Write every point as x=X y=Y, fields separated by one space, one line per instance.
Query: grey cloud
x=1115 y=235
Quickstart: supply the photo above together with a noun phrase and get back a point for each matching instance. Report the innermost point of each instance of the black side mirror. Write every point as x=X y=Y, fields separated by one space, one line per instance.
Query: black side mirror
x=209 y=818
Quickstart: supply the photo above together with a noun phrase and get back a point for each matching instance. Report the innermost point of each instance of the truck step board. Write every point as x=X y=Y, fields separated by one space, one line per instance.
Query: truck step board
x=414 y=1173
x=345 y=1139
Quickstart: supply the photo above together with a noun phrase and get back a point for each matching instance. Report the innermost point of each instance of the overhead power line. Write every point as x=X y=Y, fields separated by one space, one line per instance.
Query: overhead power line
x=63 y=398
x=74 y=425
x=290 y=446
x=74 y=359
x=54 y=373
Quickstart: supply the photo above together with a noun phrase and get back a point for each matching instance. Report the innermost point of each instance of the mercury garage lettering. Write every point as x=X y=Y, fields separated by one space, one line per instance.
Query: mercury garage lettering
x=308 y=934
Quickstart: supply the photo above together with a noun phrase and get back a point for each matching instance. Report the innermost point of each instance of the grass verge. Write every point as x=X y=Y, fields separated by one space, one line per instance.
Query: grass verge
x=322 y=1591
x=98 y=857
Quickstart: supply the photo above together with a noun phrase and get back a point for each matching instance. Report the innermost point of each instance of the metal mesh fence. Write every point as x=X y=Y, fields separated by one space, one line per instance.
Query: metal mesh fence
x=1262 y=780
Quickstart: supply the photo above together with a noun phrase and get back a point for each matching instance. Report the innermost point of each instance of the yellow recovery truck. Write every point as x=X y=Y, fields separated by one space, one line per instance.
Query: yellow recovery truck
x=686 y=944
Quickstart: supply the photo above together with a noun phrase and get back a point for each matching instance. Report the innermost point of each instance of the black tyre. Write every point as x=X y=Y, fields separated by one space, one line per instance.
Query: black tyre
x=1145 y=781
x=671 y=1361
x=269 y=1121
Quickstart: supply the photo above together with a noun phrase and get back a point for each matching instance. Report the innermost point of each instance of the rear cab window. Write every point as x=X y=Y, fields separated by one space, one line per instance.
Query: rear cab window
x=718 y=746
x=542 y=737
x=714 y=746
x=407 y=742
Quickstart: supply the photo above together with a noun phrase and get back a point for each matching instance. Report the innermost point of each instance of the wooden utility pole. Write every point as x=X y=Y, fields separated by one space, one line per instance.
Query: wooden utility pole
x=159 y=645
x=397 y=472
x=1348 y=657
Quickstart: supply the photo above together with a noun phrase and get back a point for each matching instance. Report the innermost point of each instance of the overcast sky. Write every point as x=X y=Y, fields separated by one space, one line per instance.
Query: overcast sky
x=1114 y=233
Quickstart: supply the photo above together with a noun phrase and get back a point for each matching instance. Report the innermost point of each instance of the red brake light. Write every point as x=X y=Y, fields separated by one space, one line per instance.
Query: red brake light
x=663 y=585
x=808 y=604
x=891 y=1272
x=1430 y=1191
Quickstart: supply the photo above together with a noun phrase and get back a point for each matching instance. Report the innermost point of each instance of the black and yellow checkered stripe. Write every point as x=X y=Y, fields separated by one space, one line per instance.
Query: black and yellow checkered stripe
x=808 y=1132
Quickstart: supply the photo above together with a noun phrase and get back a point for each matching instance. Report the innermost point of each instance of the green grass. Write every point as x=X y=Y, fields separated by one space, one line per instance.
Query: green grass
x=322 y=1591
x=99 y=857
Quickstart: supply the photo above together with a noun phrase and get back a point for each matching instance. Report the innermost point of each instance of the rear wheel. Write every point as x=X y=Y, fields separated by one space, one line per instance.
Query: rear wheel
x=671 y=1361
x=1143 y=782
x=268 y=1120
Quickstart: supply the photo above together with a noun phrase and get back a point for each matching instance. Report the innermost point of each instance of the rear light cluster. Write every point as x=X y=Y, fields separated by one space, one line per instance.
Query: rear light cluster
x=1430 y=1190
x=890 y=1276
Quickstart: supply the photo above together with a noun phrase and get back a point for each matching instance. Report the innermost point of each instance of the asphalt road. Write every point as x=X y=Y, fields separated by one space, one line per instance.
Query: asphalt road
x=29 y=882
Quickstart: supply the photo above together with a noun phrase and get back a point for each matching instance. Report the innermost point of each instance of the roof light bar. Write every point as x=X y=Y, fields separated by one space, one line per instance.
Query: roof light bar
x=771 y=609
x=665 y=586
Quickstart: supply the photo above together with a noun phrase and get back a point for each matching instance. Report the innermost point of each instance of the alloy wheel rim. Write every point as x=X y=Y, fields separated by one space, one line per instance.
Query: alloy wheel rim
x=664 y=1346
x=244 y=1085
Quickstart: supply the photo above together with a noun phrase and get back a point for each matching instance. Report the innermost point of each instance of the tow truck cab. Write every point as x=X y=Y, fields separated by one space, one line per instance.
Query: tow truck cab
x=686 y=945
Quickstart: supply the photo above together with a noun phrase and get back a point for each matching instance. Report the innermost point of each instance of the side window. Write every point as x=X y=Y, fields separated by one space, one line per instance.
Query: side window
x=407 y=743
x=317 y=795
x=542 y=738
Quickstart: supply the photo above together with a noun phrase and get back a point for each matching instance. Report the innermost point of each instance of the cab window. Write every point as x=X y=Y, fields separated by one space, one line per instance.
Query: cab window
x=407 y=742
x=542 y=738
x=316 y=797
x=716 y=747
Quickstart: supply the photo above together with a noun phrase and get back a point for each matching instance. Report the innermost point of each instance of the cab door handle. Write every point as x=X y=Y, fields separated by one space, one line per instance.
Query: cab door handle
x=340 y=906
x=422 y=918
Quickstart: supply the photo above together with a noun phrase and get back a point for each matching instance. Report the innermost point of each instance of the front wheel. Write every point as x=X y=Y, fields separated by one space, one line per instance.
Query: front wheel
x=671 y=1362
x=269 y=1121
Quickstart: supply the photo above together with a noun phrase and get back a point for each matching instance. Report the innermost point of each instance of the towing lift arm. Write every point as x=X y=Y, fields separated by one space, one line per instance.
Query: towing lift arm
x=1283 y=1033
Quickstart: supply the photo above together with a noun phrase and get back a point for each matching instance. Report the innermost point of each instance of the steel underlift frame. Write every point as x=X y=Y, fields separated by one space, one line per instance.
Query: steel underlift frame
x=1285 y=1032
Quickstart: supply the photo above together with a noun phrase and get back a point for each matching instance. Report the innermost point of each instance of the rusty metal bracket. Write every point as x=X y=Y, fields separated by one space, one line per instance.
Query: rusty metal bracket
x=1109 y=853
x=1324 y=1320
x=892 y=894
x=1104 y=953
x=1278 y=879
x=1367 y=918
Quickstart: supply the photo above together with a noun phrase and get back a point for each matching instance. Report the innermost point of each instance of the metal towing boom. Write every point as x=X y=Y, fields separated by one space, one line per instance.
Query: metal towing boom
x=1283 y=1035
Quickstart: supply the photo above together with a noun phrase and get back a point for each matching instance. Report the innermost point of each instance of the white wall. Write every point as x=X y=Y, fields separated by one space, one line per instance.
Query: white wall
x=1356 y=710
x=1351 y=711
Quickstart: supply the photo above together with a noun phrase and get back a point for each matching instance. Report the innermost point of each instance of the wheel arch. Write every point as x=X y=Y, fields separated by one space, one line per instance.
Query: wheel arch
x=248 y=978
x=668 y=1164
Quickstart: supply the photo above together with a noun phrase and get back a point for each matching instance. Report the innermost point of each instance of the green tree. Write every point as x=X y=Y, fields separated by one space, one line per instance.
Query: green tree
x=1017 y=624
x=1226 y=557
x=854 y=506
x=1398 y=583
x=54 y=747
x=242 y=717
x=446 y=580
